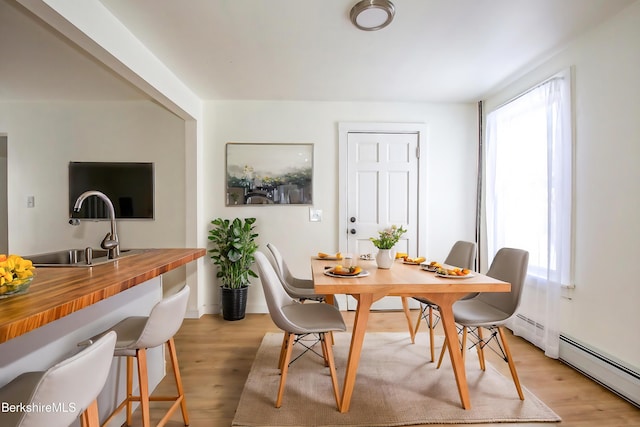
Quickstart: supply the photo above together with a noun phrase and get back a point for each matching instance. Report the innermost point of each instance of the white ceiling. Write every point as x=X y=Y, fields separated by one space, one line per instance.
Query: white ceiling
x=434 y=51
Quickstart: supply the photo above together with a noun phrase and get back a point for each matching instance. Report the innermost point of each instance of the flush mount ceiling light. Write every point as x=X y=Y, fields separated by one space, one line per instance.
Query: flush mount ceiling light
x=371 y=15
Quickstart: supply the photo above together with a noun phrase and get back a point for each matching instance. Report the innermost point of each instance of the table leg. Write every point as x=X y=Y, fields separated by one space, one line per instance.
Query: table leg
x=451 y=333
x=357 y=338
x=407 y=313
x=330 y=299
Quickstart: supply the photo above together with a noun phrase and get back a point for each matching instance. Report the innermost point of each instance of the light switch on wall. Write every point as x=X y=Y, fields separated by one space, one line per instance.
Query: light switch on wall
x=315 y=215
x=31 y=201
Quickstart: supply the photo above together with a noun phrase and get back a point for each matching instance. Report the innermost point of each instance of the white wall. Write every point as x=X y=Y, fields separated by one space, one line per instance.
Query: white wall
x=4 y=232
x=44 y=137
x=451 y=175
x=603 y=309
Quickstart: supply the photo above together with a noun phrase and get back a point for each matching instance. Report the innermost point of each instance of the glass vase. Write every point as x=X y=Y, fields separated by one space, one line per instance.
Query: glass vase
x=15 y=287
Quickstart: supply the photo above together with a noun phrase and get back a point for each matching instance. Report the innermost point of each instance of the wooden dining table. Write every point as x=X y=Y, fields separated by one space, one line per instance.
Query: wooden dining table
x=403 y=280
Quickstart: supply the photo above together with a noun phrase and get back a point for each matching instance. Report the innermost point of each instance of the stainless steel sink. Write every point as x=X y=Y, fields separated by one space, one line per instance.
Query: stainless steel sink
x=77 y=257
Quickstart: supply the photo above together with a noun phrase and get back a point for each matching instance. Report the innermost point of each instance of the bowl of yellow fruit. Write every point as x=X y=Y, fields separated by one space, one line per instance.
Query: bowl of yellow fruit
x=16 y=275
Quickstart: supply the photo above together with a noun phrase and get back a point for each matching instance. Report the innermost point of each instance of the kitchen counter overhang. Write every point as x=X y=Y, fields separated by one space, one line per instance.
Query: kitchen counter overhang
x=58 y=292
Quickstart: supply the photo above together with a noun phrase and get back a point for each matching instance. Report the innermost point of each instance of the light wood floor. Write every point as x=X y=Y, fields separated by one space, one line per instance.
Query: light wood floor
x=216 y=355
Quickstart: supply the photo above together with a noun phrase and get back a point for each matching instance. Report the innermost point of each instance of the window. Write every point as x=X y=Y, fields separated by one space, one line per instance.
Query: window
x=529 y=196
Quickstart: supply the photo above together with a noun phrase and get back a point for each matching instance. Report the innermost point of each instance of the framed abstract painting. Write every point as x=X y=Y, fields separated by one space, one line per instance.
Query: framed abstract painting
x=269 y=174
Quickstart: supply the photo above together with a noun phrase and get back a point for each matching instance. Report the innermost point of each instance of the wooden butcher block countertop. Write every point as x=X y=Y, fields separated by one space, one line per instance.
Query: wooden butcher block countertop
x=58 y=291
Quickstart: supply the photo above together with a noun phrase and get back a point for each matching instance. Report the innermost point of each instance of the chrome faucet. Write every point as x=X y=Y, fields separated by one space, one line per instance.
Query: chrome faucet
x=110 y=241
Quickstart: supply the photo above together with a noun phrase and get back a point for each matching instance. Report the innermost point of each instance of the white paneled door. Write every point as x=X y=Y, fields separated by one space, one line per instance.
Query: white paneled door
x=382 y=190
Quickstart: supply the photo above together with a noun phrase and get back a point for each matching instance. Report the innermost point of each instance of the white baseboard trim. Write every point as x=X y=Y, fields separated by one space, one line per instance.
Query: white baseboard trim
x=217 y=309
x=603 y=369
x=193 y=314
x=257 y=308
x=198 y=312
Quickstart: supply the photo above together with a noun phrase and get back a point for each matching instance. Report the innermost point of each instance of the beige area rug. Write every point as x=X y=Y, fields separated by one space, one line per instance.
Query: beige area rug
x=395 y=386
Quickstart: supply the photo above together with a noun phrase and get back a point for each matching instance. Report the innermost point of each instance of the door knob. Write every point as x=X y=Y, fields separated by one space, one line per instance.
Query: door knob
x=352 y=231
x=352 y=219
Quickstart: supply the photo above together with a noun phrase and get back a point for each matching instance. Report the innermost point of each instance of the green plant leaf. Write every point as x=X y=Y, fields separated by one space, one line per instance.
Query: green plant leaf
x=233 y=244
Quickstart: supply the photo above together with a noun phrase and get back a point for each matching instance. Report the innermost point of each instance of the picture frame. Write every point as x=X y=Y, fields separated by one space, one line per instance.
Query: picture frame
x=269 y=174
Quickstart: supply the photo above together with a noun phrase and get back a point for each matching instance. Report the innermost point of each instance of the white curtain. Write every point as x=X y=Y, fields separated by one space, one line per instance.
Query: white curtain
x=529 y=200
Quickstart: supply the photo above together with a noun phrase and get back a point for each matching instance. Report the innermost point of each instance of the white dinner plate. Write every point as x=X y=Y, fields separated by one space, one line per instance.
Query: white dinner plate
x=446 y=276
x=425 y=266
x=363 y=273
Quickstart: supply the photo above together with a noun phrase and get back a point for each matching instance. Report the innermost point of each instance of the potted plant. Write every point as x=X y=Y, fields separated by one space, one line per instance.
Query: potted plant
x=385 y=243
x=233 y=252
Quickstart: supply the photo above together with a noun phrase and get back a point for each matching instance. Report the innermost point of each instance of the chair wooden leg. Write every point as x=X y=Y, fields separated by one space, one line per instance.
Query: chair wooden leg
x=332 y=369
x=178 y=378
x=89 y=417
x=143 y=382
x=480 y=349
x=420 y=314
x=283 y=349
x=144 y=398
x=512 y=366
x=429 y=316
x=285 y=369
x=129 y=401
x=463 y=348
x=442 y=352
x=432 y=337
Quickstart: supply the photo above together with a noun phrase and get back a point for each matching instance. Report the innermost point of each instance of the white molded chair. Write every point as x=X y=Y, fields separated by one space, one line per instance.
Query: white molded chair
x=298 y=320
x=462 y=254
x=77 y=381
x=491 y=310
x=139 y=333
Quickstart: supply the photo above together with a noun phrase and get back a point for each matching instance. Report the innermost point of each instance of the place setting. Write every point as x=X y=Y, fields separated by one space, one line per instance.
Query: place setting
x=454 y=273
x=342 y=272
x=348 y=268
x=444 y=271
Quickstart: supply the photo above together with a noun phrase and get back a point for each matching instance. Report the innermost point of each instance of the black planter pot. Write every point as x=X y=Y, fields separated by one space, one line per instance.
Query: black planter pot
x=234 y=303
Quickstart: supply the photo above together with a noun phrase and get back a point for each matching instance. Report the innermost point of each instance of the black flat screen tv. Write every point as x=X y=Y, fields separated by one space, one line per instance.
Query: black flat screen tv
x=129 y=186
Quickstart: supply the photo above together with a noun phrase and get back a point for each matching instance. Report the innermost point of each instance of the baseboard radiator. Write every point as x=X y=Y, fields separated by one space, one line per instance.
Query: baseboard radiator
x=605 y=370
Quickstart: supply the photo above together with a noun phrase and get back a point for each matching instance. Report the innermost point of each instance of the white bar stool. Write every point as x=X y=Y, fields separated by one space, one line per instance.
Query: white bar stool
x=68 y=388
x=135 y=336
